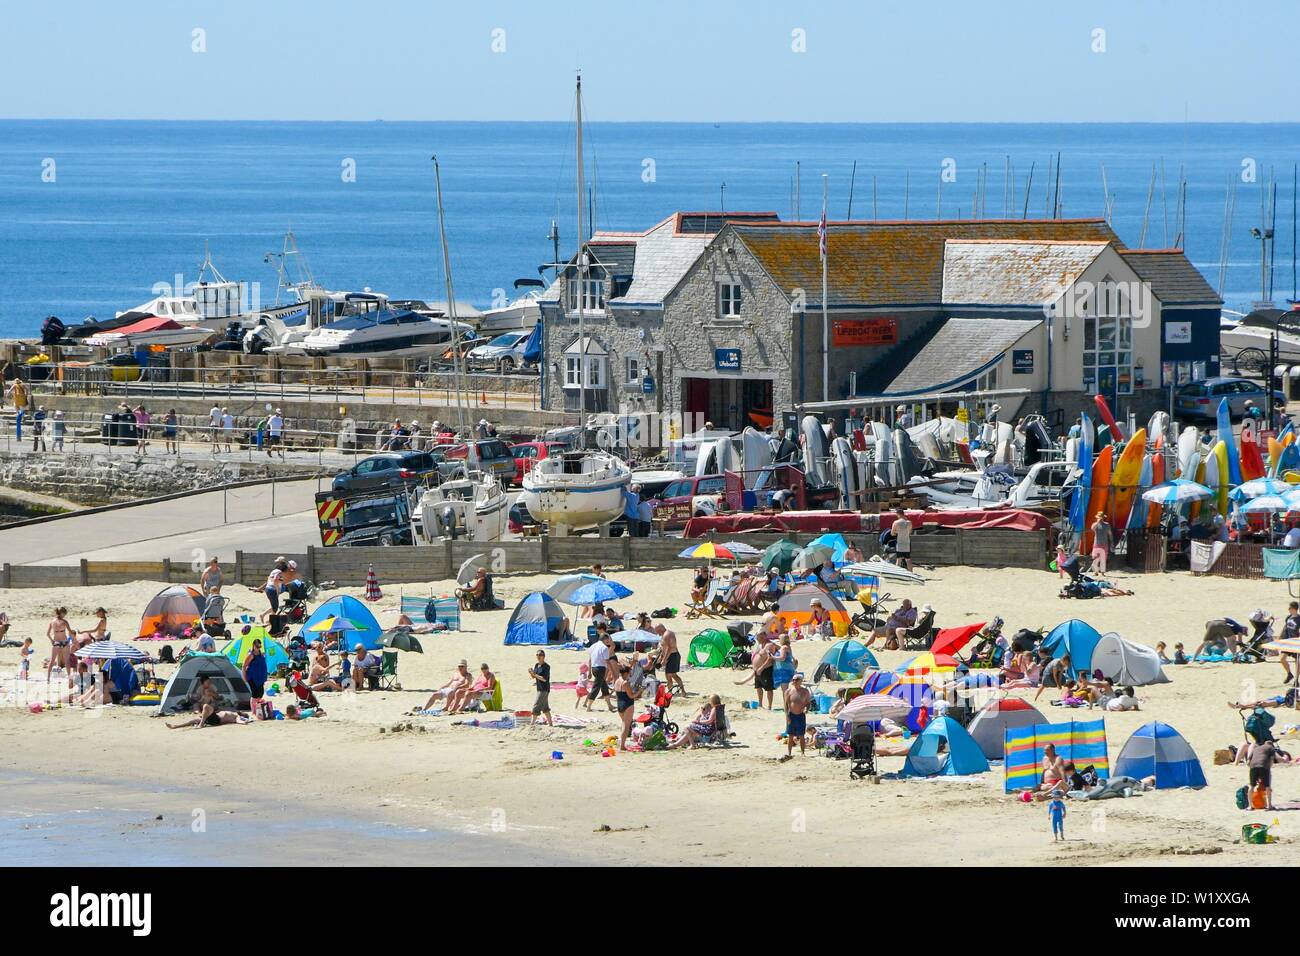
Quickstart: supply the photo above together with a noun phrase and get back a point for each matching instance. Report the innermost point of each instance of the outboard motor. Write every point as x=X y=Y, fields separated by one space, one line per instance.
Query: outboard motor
x=52 y=330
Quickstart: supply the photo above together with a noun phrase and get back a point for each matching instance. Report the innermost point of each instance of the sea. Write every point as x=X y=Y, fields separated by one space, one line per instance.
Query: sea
x=99 y=216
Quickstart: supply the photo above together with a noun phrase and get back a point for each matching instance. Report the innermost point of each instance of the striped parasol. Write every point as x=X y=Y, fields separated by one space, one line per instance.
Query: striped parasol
x=709 y=551
x=1284 y=645
x=112 y=651
x=869 y=708
x=882 y=569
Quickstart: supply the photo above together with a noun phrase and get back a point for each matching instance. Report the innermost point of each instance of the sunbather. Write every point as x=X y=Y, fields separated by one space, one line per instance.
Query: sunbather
x=459 y=680
x=212 y=718
x=318 y=678
x=483 y=686
x=701 y=727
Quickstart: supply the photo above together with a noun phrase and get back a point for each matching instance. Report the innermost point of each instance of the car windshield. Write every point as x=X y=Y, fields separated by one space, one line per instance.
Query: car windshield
x=507 y=340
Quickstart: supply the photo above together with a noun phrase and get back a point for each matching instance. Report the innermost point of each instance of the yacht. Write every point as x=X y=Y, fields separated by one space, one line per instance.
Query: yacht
x=372 y=327
x=519 y=315
x=474 y=508
x=1250 y=335
x=576 y=490
x=150 y=331
x=184 y=309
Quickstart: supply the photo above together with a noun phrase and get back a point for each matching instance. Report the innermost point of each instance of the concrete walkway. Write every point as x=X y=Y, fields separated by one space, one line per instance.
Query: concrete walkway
x=215 y=523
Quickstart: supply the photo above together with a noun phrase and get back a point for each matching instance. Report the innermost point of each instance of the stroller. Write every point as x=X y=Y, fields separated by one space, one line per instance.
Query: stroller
x=873 y=614
x=862 y=752
x=1252 y=648
x=293 y=606
x=297 y=650
x=655 y=717
x=214 y=616
x=1081 y=584
x=306 y=696
x=740 y=656
x=986 y=652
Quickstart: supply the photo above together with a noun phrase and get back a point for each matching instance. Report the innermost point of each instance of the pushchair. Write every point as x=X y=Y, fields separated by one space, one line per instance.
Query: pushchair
x=293 y=606
x=862 y=752
x=873 y=614
x=1252 y=650
x=306 y=696
x=740 y=656
x=214 y=616
x=655 y=717
x=986 y=652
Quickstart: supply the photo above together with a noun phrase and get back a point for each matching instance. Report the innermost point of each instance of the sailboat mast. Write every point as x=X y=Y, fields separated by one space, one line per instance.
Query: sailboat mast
x=451 y=305
x=582 y=271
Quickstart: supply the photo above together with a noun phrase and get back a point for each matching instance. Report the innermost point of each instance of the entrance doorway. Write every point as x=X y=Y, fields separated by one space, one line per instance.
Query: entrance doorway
x=730 y=403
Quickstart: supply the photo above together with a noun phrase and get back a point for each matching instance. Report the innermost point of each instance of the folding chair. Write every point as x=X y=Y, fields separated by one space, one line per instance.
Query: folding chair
x=387 y=678
x=707 y=607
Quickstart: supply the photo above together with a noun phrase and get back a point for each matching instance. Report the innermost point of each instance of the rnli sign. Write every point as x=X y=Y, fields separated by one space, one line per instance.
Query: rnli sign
x=726 y=360
x=856 y=332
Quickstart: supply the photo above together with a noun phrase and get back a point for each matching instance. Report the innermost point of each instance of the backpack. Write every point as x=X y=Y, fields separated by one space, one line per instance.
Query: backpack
x=1243 y=798
x=1258 y=724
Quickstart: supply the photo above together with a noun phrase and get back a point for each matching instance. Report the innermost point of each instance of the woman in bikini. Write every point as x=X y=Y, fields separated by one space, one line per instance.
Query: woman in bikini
x=96 y=633
x=60 y=634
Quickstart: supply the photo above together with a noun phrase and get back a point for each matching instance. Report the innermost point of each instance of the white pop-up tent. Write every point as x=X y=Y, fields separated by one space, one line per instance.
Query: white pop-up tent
x=1127 y=663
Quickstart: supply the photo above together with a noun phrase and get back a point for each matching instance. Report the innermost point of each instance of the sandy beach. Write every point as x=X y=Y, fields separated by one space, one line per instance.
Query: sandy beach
x=282 y=792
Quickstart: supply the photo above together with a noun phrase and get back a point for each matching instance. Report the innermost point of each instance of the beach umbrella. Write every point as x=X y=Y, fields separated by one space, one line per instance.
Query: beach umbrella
x=468 y=569
x=708 y=551
x=780 y=555
x=1177 y=492
x=597 y=592
x=401 y=639
x=1284 y=645
x=565 y=585
x=1259 y=487
x=870 y=708
x=635 y=636
x=112 y=651
x=812 y=557
x=882 y=569
x=741 y=550
x=335 y=625
x=1265 y=504
x=927 y=662
x=952 y=639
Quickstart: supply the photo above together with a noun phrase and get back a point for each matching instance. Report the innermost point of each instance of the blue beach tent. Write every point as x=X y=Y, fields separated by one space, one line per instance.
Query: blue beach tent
x=367 y=631
x=536 y=620
x=846 y=659
x=1157 y=750
x=1076 y=638
x=961 y=756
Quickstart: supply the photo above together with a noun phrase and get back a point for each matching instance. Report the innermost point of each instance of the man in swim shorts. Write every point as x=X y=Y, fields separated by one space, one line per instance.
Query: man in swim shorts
x=670 y=657
x=797 y=698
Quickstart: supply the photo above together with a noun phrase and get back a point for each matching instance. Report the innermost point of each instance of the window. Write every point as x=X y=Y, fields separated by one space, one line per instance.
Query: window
x=711 y=486
x=571 y=379
x=1108 y=346
x=595 y=364
x=592 y=294
x=728 y=300
x=633 y=370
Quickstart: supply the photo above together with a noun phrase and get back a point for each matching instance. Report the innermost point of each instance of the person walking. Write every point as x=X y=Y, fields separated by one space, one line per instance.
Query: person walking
x=228 y=428
x=796 y=698
x=902 y=531
x=1101 y=540
x=59 y=429
x=275 y=434
x=1056 y=813
x=142 y=421
x=210 y=580
x=598 y=661
x=540 y=673
x=214 y=428
x=171 y=436
x=38 y=430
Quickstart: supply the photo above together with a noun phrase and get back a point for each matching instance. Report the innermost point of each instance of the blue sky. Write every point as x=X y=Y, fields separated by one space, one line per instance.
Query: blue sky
x=702 y=60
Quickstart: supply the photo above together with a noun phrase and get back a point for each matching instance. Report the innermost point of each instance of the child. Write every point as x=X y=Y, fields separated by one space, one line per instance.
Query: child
x=26 y=655
x=1160 y=653
x=1056 y=813
x=1179 y=656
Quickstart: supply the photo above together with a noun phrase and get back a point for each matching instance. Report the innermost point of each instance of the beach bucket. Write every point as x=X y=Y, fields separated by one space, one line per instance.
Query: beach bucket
x=557 y=755
x=1254 y=833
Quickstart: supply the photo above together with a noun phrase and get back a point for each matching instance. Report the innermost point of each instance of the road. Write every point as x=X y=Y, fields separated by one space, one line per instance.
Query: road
x=215 y=522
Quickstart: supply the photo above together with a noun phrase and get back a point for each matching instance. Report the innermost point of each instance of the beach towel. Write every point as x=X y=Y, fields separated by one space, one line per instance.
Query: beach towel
x=1203 y=555
x=1281 y=564
x=1082 y=741
x=501 y=723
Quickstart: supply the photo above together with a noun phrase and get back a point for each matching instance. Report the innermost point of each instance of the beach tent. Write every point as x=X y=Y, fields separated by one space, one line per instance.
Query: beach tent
x=239 y=649
x=366 y=629
x=960 y=755
x=845 y=660
x=226 y=678
x=795 y=608
x=878 y=682
x=916 y=691
x=709 y=648
x=171 y=610
x=1157 y=750
x=1127 y=663
x=988 y=727
x=1076 y=638
x=536 y=620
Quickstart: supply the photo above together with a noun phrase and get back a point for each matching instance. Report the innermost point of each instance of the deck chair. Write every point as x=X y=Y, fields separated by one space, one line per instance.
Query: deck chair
x=709 y=606
x=493 y=699
x=722 y=732
x=388 y=671
x=920 y=636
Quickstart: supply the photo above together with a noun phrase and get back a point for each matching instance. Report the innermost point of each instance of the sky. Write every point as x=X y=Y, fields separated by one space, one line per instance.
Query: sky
x=646 y=60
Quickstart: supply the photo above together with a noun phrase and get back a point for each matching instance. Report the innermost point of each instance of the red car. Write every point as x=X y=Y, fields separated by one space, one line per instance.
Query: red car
x=528 y=453
x=679 y=502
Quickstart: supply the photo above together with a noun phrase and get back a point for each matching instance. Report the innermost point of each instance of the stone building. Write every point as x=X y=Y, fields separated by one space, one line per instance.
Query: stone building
x=719 y=318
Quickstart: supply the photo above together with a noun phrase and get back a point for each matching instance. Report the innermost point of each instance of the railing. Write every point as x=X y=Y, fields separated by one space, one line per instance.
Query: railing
x=266 y=381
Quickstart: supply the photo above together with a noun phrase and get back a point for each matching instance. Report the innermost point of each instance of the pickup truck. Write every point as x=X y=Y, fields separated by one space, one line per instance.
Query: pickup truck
x=690 y=498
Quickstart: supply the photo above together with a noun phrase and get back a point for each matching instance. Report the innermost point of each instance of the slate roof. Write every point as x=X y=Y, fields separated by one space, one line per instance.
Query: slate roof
x=957 y=352
x=1173 y=278
x=1019 y=272
x=889 y=263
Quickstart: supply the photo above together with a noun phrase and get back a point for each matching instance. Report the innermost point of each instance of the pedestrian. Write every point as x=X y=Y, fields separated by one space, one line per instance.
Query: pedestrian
x=211 y=579
x=632 y=510
x=598 y=660
x=255 y=670
x=541 y=677
x=903 y=417
x=228 y=428
x=214 y=428
x=797 y=698
x=171 y=437
x=1260 y=762
x=19 y=395
x=38 y=430
x=1056 y=813
x=645 y=516
x=276 y=433
x=626 y=696
x=902 y=531
x=1100 y=542
x=142 y=421
x=670 y=656
x=59 y=427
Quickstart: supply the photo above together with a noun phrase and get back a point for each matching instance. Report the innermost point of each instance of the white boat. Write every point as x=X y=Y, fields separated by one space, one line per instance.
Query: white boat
x=386 y=333
x=184 y=309
x=576 y=490
x=1252 y=332
x=155 y=330
x=471 y=509
x=518 y=315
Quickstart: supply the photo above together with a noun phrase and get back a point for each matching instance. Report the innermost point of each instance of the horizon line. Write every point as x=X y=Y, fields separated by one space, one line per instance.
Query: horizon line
x=693 y=122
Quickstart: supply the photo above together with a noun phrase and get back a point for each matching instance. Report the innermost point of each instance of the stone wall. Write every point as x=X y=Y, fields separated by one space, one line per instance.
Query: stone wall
x=104 y=479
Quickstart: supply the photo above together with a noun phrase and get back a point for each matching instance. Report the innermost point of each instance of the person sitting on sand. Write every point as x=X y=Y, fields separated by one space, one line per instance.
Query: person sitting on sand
x=1055 y=674
x=294 y=712
x=212 y=718
x=482 y=686
x=459 y=680
x=701 y=727
x=1180 y=657
x=1127 y=700
x=4 y=625
x=1054 y=777
x=1160 y=653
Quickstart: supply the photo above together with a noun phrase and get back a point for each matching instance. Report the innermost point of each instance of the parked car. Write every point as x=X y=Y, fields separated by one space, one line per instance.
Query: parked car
x=390 y=468
x=689 y=498
x=1201 y=399
x=529 y=453
x=384 y=521
x=505 y=353
x=494 y=458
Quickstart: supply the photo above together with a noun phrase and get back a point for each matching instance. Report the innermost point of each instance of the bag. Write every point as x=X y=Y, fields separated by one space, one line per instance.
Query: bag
x=1258 y=797
x=1258 y=724
x=664 y=612
x=1243 y=798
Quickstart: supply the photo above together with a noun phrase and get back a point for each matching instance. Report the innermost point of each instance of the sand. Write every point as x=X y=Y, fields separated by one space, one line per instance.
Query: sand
x=502 y=792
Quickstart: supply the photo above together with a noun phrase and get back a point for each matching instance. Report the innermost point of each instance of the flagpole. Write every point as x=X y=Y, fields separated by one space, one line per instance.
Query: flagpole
x=826 y=324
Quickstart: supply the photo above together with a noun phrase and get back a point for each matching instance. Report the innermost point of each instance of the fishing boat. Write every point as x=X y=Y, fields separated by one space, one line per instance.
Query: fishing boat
x=474 y=508
x=576 y=490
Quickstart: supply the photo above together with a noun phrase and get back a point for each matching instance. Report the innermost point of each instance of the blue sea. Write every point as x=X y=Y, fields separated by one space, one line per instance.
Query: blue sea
x=94 y=214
